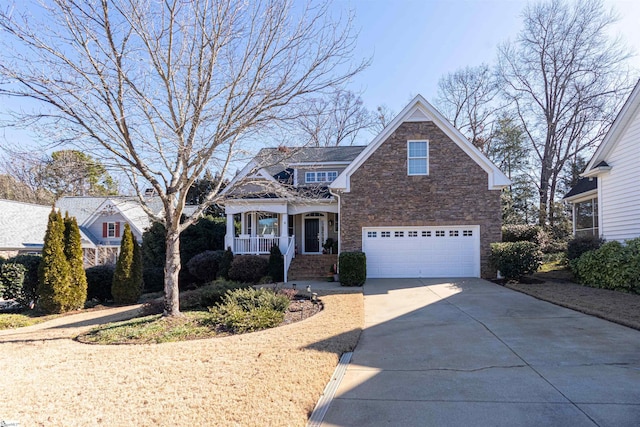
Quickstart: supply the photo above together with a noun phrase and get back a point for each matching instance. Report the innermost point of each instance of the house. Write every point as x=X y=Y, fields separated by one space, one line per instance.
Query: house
x=100 y=219
x=420 y=200
x=606 y=201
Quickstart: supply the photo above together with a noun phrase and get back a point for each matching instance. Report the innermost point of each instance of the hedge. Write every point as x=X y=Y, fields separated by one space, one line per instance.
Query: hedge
x=353 y=268
x=515 y=259
x=248 y=268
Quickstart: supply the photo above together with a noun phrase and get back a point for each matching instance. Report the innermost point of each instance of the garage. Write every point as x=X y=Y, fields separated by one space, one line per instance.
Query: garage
x=443 y=251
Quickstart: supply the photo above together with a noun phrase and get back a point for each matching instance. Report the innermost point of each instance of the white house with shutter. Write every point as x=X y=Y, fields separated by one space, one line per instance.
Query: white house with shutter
x=608 y=196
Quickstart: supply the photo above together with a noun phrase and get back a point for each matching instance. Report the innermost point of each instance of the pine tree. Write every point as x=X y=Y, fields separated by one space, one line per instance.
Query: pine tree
x=54 y=274
x=126 y=287
x=73 y=253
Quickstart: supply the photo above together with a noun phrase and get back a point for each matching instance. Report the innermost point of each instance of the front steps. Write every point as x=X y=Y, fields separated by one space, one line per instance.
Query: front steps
x=309 y=267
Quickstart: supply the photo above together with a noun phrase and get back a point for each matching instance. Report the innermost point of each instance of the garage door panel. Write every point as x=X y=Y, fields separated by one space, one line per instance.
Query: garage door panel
x=445 y=251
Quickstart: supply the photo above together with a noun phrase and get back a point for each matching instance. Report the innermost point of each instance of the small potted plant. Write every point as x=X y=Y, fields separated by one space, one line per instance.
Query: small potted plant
x=334 y=271
x=328 y=246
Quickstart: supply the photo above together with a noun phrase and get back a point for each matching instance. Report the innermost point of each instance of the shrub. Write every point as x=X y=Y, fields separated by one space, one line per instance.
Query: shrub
x=126 y=287
x=612 y=266
x=54 y=273
x=248 y=268
x=246 y=310
x=11 y=280
x=208 y=295
x=153 y=279
x=353 y=268
x=521 y=233
x=99 y=280
x=250 y=298
x=75 y=258
x=515 y=259
x=30 y=285
x=276 y=264
x=205 y=265
x=580 y=245
x=225 y=264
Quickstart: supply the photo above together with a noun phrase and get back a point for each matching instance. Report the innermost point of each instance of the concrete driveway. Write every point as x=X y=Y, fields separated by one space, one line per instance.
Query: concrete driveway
x=468 y=352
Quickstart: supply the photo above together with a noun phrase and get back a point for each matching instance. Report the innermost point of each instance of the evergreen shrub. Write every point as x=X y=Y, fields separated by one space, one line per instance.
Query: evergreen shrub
x=353 y=268
x=248 y=268
x=515 y=259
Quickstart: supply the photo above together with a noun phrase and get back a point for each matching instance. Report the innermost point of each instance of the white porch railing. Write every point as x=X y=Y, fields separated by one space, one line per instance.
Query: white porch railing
x=254 y=244
x=289 y=255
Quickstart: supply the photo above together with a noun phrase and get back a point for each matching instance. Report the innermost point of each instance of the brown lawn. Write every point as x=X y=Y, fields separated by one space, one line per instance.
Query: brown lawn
x=267 y=378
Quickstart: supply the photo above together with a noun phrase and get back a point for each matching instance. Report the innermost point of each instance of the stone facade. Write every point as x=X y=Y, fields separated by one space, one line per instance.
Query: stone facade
x=454 y=193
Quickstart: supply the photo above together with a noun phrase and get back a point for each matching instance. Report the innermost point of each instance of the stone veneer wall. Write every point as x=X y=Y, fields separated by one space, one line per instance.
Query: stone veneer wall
x=454 y=193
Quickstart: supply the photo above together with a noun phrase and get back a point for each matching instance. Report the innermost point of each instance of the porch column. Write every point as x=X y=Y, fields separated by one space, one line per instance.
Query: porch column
x=228 y=238
x=284 y=232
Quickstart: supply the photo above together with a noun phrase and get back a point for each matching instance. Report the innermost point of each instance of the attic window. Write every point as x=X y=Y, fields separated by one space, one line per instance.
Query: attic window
x=312 y=177
x=418 y=157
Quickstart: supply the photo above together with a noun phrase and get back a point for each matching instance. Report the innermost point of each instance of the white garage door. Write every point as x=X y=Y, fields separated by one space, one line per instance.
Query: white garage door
x=452 y=251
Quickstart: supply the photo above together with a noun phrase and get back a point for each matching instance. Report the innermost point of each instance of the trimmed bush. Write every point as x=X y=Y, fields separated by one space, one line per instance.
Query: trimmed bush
x=75 y=258
x=126 y=287
x=208 y=295
x=30 y=285
x=225 y=264
x=248 y=268
x=54 y=273
x=580 y=245
x=99 y=280
x=521 y=233
x=153 y=279
x=11 y=280
x=246 y=310
x=515 y=259
x=612 y=266
x=204 y=266
x=353 y=268
x=276 y=264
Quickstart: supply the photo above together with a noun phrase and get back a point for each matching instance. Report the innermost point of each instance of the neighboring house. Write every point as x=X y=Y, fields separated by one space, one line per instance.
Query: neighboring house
x=608 y=195
x=100 y=219
x=420 y=200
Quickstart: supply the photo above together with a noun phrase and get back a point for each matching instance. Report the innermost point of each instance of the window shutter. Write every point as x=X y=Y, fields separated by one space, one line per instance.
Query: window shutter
x=104 y=229
x=117 y=229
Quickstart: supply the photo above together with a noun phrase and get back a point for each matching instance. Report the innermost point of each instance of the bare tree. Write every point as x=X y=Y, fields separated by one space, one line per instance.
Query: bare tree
x=170 y=88
x=565 y=78
x=335 y=120
x=468 y=97
x=383 y=117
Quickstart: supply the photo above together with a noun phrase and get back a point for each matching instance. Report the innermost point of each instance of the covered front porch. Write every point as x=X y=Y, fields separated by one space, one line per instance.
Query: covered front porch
x=303 y=229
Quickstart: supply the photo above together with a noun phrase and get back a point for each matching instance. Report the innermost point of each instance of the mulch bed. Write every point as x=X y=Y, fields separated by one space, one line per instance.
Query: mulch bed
x=301 y=309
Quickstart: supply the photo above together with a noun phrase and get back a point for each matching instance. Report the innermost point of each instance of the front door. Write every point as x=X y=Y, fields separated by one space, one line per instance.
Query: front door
x=311 y=231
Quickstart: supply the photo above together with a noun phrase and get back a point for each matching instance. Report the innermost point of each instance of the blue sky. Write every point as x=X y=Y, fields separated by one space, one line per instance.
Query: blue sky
x=414 y=43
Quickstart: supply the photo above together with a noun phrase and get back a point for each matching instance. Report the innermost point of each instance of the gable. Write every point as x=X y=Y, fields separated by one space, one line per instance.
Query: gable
x=625 y=128
x=420 y=111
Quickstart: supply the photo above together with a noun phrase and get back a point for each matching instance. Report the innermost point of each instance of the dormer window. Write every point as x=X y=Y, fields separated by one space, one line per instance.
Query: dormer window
x=315 y=177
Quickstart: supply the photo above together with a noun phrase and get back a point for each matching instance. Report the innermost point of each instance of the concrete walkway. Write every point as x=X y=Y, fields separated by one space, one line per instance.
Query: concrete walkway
x=471 y=353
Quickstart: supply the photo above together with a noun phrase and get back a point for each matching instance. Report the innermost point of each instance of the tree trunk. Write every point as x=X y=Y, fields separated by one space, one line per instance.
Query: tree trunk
x=171 y=272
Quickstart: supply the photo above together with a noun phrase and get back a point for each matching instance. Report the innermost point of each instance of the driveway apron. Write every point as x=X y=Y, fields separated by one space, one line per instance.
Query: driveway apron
x=467 y=352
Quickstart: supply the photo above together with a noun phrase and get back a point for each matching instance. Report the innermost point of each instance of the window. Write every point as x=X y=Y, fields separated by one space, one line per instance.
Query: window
x=372 y=234
x=398 y=234
x=291 y=225
x=453 y=233
x=311 y=177
x=467 y=233
x=418 y=157
x=335 y=224
x=267 y=224
x=111 y=229
x=586 y=218
x=439 y=233
x=426 y=234
x=385 y=234
x=412 y=233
